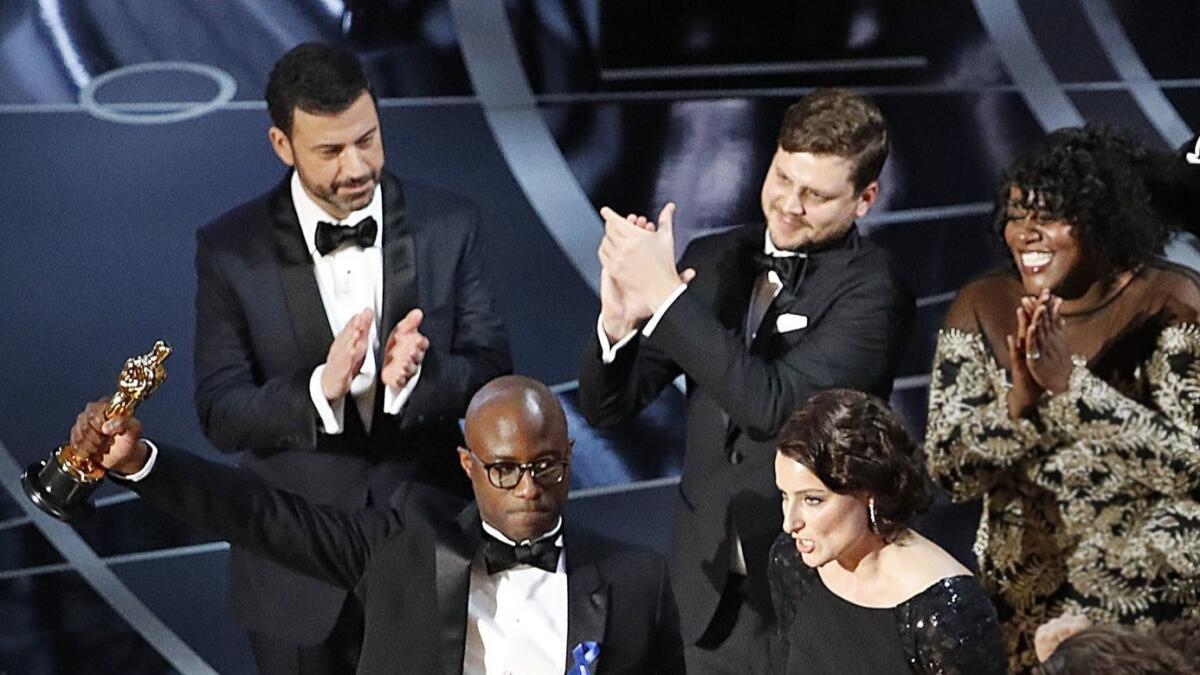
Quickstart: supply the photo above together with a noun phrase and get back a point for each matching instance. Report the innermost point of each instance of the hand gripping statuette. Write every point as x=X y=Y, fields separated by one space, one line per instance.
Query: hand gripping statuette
x=62 y=484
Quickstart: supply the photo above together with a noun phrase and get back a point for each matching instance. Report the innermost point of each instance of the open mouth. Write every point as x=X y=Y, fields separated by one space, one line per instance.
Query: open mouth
x=805 y=545
x=1035 y=260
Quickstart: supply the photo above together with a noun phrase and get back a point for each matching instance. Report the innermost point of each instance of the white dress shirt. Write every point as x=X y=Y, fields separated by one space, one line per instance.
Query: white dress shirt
x=349 y=279
x=517 y=619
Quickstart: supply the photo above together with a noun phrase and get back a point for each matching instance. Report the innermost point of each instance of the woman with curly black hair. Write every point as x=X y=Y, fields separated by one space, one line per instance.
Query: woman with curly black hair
x=1065 y=392
x=855 y=589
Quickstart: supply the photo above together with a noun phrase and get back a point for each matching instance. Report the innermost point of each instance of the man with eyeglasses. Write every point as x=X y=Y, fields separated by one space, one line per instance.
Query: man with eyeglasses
x=504 y=586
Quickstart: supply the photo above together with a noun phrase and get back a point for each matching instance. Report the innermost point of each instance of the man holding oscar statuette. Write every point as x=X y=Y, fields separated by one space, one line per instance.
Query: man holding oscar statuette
x=501 y=585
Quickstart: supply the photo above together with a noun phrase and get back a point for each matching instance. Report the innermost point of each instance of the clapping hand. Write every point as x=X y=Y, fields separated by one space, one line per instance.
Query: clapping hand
x=1025 y=391
x=1048 y=356
x=639 y=273
x=346 y=355
x=615 y=316
x=1038 y=355
x=405 y=351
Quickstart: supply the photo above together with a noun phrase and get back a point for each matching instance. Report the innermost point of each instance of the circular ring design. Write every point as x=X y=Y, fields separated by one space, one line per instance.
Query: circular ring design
x=226 y=88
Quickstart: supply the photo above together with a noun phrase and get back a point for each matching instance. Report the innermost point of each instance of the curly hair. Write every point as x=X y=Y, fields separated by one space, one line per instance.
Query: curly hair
x=1118 y=650
x=855 y=444
x=840 y=122
x=1098 y=180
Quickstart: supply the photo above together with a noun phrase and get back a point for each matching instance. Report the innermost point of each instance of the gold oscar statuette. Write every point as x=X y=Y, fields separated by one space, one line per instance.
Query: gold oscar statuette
x=62 y=484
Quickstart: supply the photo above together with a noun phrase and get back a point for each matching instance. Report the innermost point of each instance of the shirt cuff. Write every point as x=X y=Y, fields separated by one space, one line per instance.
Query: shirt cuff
x=331 y=412
x=394 y=399
x=145 y=470
x=608 y=353
x=648 y=329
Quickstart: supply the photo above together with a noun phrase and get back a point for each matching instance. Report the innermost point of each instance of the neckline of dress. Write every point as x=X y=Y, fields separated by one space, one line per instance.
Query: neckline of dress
x=886 y=608
x=1107 y=299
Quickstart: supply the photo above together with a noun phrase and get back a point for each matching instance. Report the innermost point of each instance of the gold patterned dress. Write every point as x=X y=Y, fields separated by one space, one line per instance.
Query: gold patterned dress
x=1092 y=505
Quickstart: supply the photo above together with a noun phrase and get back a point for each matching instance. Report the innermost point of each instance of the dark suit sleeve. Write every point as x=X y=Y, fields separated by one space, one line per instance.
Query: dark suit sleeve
x=322 y=542
x=610 y=393
x=851 y=346
x=236 y=411
x=478 y=351
x=613 y=392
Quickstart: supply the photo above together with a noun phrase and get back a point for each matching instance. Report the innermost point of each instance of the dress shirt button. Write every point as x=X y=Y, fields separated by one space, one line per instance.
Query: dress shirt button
x=736 y=457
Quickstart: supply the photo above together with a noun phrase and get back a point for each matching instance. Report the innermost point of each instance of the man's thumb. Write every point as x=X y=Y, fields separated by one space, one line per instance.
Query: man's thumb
x=666 y=219
x=411 y=321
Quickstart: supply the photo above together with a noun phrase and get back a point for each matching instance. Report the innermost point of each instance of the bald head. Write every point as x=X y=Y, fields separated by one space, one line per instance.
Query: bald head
x=517 y=427
x=514 y=400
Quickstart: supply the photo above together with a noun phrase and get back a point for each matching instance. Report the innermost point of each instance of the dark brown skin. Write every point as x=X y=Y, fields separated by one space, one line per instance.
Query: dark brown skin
x=516 y=419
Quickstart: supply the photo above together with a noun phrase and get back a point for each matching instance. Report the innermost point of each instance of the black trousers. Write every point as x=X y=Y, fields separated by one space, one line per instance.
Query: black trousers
x=737 y=642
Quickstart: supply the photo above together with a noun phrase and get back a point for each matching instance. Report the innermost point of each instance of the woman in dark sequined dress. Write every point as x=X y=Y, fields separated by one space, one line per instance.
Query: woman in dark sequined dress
x=855 y=589
x=1065 y=391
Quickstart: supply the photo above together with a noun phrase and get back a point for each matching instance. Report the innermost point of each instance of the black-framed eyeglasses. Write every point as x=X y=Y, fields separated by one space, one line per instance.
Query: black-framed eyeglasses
x=506 y=475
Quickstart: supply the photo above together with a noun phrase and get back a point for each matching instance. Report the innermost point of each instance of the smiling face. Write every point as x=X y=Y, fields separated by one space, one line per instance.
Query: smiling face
x=809 y=198
x=825 y=525
x=1047 y=253
x=511 y=421
x=338 y=157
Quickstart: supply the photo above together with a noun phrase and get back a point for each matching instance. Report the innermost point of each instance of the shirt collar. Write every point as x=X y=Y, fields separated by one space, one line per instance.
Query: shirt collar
x=309 y=213
x=556 y=530
x=770 y=249
x=848 y=242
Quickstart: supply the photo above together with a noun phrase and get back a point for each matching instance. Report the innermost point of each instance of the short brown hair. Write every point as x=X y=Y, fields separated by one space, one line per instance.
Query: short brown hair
x=854 y=443
x=838 y=122
x=1115 y=649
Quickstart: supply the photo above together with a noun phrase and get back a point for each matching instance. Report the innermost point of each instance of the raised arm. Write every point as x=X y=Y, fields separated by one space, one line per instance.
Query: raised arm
x=322 y=542
x=970 y=437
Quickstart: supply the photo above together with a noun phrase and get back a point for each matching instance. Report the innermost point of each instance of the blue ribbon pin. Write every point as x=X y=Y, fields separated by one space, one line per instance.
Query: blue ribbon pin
x=585 y=654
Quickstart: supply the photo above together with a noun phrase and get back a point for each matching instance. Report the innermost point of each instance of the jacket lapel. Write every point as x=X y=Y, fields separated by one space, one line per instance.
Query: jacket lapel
x=587 y=595
x=305 y=309
x=456 y=546
x=399 y=259
x=737 y=274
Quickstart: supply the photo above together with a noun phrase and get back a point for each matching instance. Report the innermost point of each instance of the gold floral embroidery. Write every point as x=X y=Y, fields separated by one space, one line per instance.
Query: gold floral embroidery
x=1092 y=509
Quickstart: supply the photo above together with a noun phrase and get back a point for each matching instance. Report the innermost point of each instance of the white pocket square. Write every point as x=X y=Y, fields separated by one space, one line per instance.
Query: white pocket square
x=786 y=323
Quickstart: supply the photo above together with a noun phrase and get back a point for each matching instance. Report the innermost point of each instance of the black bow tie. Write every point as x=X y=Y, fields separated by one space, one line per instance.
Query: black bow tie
x=789 y=268
x=330 y=237
x=500 y=556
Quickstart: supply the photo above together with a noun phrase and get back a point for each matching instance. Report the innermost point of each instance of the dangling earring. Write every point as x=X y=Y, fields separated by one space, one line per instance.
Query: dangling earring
x=871 y=513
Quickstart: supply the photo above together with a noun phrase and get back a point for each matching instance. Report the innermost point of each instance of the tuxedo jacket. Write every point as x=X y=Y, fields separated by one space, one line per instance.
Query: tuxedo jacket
x=261 y=330
x=410 y=567
x=855 y=319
